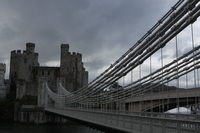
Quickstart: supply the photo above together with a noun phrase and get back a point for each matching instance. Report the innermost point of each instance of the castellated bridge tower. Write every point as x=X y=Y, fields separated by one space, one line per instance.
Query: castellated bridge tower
x=22 y=64
x=71 y=68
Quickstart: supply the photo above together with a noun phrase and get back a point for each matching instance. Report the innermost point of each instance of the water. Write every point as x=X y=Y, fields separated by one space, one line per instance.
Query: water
x=52 y=128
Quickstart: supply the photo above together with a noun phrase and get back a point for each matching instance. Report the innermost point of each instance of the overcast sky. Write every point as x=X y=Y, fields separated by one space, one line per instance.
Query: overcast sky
x=101 y=30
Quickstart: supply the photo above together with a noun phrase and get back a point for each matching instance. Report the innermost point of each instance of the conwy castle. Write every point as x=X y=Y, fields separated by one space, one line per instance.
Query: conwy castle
x=25 y=71
x=26 y=75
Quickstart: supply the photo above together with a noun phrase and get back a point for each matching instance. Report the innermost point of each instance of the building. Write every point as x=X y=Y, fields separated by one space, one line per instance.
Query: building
x=25 y=71
x=3 y=88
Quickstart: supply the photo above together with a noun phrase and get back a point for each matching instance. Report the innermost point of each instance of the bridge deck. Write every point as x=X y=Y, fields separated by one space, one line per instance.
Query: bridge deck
x=129 y=122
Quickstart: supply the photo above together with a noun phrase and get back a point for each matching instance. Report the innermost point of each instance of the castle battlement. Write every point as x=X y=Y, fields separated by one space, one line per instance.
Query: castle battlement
x=75 y=54
x=17 y=52
x=13 y=52
x=29 y=50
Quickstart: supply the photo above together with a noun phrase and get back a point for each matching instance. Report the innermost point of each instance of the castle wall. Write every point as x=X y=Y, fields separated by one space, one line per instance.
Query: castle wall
x=21 y=89
x=3 y=88
x=50 y=73
x=31 y=89
x=26 y=88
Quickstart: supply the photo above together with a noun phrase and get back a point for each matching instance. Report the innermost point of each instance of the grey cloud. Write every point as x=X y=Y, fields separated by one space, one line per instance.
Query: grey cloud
x=7 y=33
x=102 y=29
x=95 y=64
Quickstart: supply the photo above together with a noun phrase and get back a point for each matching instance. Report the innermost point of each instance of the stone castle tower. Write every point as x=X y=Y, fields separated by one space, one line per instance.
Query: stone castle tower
x=25 y=71
x=71 y=68
x=22 y=64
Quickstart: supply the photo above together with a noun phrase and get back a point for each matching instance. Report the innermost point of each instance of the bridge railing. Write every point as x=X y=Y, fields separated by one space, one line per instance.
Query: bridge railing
x=174 y=116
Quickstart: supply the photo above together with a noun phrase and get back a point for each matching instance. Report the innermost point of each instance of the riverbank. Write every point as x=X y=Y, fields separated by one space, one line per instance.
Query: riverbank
x=7 y=108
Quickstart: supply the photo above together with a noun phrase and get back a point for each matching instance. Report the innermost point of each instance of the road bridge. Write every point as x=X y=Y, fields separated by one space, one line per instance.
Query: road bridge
x=162 y=101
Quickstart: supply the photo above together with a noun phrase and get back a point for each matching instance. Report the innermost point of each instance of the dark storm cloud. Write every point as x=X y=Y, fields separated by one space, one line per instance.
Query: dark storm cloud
x=100 y=30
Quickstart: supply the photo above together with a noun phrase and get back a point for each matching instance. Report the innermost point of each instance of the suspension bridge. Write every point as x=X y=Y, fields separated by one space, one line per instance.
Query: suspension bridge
x=134 y=93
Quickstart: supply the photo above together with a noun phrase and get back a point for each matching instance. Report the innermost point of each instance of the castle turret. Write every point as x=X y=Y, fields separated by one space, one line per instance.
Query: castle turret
x=64 y=61
x=30 y=47
x=64 y=48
